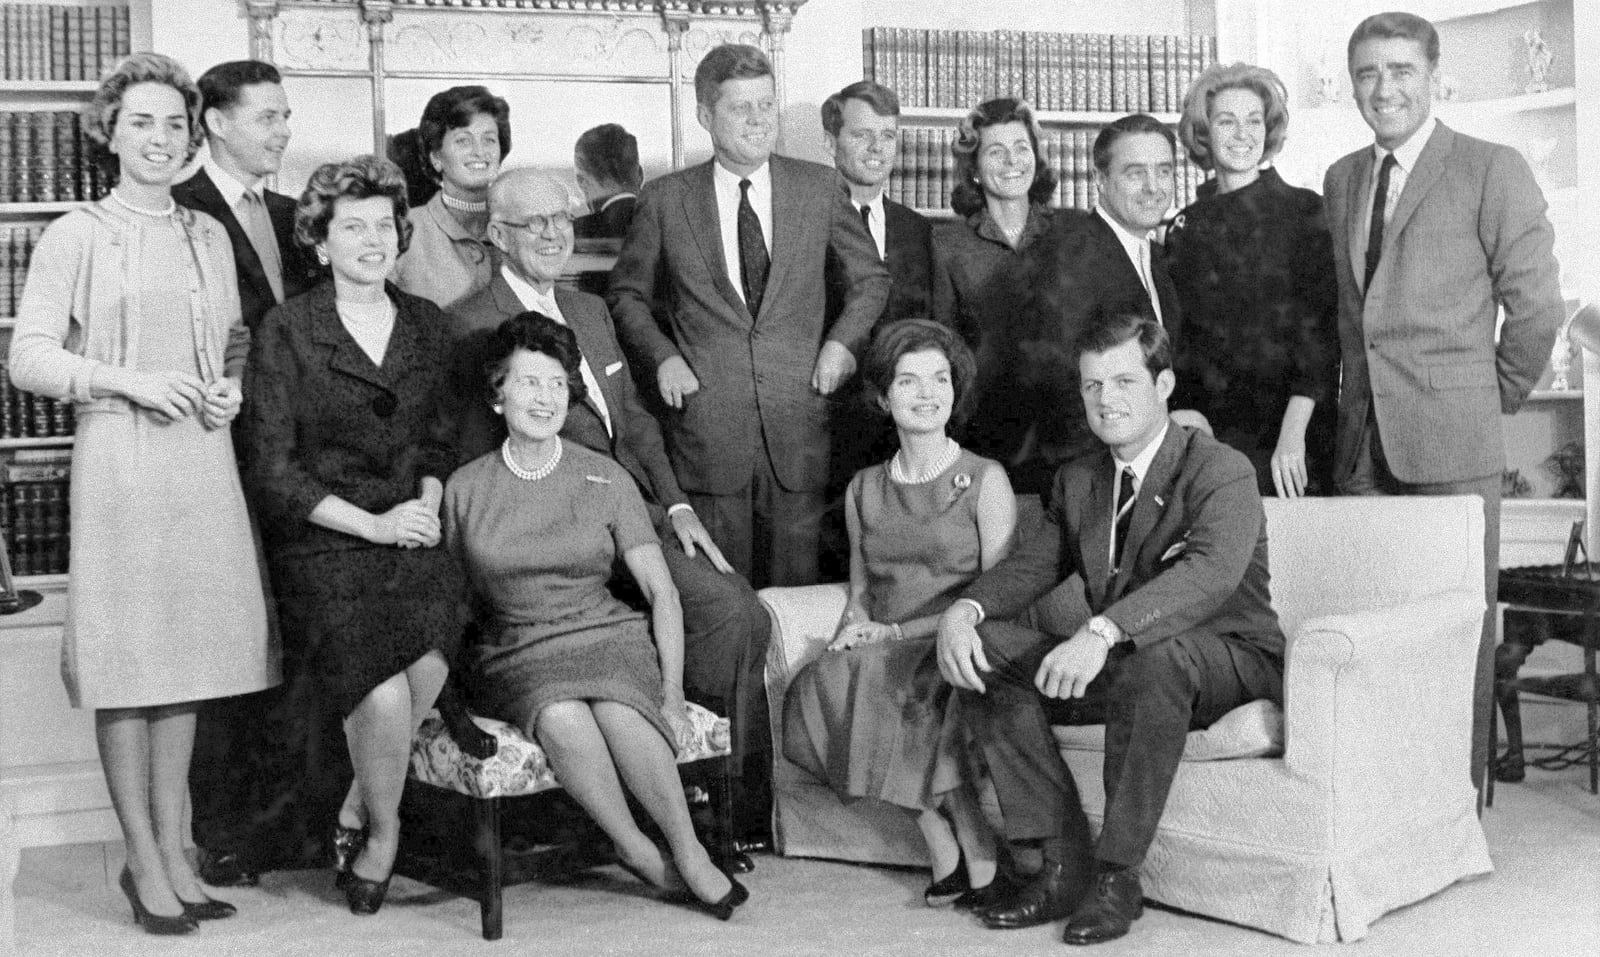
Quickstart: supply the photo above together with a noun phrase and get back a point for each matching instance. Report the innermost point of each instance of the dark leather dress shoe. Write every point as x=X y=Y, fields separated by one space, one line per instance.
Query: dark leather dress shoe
x=227 y=869
x=981 y=900
x=1049 y=895
x=1115 y=902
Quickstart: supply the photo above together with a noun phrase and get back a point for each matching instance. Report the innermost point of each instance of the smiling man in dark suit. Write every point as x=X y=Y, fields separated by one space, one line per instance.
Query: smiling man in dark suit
x=246 y=116
x=745 y=355
x=1165 y=527
x=725 y=628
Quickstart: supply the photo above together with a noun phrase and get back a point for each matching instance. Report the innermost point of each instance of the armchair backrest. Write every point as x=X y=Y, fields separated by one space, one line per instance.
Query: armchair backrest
x=1340 y=555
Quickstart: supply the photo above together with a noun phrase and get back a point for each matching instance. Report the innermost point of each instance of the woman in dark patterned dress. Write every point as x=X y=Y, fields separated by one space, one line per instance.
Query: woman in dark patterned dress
x=1253 y=265
x=539 y=524
x=348 y=452
x=869 y=716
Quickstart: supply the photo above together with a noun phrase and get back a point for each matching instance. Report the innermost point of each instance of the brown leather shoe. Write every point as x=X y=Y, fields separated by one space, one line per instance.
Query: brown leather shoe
x=1115 y=902
x=1049 y=895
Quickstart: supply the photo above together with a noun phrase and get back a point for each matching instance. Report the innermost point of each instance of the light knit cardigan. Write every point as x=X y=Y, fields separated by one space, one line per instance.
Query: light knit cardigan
x=76 y=312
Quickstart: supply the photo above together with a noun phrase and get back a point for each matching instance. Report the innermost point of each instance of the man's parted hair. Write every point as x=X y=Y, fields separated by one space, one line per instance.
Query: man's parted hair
x=1395 y=26
x=879 y=98
x=730 y=61
x=220 y=85
x=1110 y=330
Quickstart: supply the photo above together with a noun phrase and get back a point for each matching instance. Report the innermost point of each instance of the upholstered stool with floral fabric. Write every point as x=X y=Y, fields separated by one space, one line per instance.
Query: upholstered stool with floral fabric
x=519 y=768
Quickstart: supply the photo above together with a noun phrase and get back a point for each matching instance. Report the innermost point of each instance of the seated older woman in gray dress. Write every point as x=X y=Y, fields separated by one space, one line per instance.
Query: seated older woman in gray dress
x=538 y=525
x=869 y=717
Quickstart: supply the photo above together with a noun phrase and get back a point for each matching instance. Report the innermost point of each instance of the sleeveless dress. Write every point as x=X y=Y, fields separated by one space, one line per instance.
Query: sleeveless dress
x=164 y=602
x=538 y=555
x=871 y=721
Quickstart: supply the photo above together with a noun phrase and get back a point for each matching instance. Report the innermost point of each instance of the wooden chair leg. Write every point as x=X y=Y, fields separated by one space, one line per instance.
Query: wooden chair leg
x=487 y=839
x=725 y=846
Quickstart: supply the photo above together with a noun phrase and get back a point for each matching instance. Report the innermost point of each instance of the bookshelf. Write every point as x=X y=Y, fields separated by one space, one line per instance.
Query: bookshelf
x=1077 y=83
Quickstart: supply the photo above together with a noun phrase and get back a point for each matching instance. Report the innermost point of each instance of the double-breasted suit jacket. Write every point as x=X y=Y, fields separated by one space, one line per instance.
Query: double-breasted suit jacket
x=1468 y=237
x=255 y=292
x=1197 y=541
x=755 y=393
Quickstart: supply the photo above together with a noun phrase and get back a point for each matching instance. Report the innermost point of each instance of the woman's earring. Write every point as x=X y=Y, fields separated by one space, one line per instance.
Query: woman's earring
x=322 y=256
x=498 y=409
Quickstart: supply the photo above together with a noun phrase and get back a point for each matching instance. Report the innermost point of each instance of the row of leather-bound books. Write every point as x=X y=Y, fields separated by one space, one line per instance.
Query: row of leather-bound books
x=34 y=513
x=62 y=42
x=44 y=158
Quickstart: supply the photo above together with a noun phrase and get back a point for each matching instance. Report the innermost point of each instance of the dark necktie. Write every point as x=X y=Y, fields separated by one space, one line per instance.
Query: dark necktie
x=753 y=260
x=1126 y=497
x=1380 y=202
x=866 y=218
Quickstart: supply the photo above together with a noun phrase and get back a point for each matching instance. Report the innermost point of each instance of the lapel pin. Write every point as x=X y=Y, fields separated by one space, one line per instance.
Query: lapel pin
x=597 y=479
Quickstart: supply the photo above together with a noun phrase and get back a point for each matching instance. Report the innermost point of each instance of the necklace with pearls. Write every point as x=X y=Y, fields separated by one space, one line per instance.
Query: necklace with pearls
x=529 y=475
x=463 y=205
x=172 y=206
x=897 y=467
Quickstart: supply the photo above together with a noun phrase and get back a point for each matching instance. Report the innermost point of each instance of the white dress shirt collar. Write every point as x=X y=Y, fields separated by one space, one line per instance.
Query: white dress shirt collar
x=231 y=189
x=545 y=302
x=726 y=185
x=1141 y=462
x=877 y=224
x=1407 y=153
x=1138 y=249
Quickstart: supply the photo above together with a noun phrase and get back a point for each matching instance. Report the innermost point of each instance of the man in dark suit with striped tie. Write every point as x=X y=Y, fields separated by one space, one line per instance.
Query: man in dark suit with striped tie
x=1164 y=525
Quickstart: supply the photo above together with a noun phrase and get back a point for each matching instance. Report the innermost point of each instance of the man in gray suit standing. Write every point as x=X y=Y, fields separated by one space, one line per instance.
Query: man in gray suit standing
x=1434 y=233
x=745 y=358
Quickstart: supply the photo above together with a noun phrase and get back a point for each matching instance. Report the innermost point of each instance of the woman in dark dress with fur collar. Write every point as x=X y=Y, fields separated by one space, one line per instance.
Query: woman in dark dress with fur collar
x=1253 y=265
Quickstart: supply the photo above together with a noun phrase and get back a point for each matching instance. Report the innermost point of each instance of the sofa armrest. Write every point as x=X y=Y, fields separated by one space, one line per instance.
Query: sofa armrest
x=803 y=620
x=1377 y=704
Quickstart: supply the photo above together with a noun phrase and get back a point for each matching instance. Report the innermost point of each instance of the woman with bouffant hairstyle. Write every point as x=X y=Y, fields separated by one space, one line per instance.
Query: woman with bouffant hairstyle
x=348 y=453
x=131 y=313
x=1253 y=266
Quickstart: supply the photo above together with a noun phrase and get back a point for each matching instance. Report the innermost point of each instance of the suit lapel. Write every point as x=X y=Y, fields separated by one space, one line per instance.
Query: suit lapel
x=786 y=227
x=705 y=224
x=1095 y=542
x=1154 y=494
x=1359 y=183
x=347 y=356
x=1122 y=263
x=210 y=201
x=591 y=342
x=1430 y=166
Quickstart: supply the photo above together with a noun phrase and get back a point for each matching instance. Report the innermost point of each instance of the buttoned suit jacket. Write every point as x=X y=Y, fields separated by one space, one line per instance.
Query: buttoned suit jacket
x=1468 y=235
x=1197 y=547
x=754 y=371
x=198 y=192
x=636 y=441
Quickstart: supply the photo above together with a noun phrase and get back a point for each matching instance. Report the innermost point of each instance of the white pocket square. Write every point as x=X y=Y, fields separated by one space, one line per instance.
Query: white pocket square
x=1173 y=552
x=614 y=368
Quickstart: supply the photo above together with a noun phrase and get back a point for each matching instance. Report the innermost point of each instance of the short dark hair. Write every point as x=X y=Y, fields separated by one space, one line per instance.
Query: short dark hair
x=360 y=178
x=966 y=197
x=220 y=85
x=1113 y=328
x=878 y=97
x=610 y=154
x=1194 y=127
x=100 y=116
x=730 y=61
x=1130 y=125
x=535 y=332
x=896 y=340
x=1395 y=26
x=454 y=108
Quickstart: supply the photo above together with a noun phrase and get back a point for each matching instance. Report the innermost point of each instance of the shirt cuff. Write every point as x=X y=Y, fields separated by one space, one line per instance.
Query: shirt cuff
x=975 y=607
x=680 y=507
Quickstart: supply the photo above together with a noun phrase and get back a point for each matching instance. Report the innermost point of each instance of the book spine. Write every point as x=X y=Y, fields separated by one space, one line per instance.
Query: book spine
x=8 y=279
x=105 y=39
x=122 y=30
x=1140 y=51
x=23 y=153
x=44 y=156
x=8 y=173
x=947 y=168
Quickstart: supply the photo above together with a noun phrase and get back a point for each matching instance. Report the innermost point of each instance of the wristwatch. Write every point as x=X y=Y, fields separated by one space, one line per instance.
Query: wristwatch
x=1106 y=630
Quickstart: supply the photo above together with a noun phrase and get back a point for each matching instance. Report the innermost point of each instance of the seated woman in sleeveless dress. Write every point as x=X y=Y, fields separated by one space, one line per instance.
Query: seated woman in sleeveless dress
x=869 y=716
x=538 y=524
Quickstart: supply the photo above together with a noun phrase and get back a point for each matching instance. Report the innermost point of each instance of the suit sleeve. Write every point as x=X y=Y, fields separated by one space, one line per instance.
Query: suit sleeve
x=1315 y=356
x=1226 y=519
x=282 y=488
x=642 y=433
x=439 y=456
x=633 y=285
x=1041 y=561
x=1518 y=244
x=862 y=275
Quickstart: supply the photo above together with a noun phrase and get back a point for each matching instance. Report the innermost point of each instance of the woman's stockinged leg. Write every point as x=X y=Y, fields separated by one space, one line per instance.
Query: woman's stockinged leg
x=171 y=732
x=123 y=737
x=423 y=678
x=571 y=737
x=974 y=833
x=647 y=765
x=943 y=851
x=379 y=734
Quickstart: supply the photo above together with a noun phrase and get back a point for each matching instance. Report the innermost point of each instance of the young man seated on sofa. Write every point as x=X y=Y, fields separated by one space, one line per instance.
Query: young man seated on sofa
x=1166 y=529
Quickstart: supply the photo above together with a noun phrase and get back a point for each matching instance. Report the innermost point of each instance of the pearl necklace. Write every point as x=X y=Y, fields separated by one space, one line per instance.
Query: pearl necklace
x=528 y=475
x=897 y=468
x=172 y=206
x=463 y=205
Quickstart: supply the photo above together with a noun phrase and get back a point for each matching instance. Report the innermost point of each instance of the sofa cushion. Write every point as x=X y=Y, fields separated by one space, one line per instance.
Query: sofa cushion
x=518 y=766
x=1253 y=730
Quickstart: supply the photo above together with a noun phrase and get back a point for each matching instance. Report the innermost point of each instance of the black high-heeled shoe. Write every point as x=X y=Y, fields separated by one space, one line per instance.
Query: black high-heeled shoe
x=208 y=909
x=364 y=897
x=949 y=887
x=723 y=908
x=347 y=845
x=154 y=923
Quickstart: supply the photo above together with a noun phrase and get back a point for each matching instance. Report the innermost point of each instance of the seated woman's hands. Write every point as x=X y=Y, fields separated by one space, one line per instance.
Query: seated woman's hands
x=223 y=398
x=676 y=711
x=858 y=633
x=411 y=524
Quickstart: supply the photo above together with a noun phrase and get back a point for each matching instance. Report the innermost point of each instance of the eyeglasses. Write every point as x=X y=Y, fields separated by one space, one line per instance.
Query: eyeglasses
x=538 y=224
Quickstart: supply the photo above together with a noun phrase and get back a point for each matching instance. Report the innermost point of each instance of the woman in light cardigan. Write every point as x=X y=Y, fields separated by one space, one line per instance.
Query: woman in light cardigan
x=131 y=312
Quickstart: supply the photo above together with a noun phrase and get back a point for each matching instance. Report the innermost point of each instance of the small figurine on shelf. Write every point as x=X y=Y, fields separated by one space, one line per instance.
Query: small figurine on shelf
x=1539 y=58
x=1565 y=465
x=1513 y=485
x=1561 y=360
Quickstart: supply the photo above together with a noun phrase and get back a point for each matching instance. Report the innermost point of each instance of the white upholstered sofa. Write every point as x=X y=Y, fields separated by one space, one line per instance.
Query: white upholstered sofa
x=1368 y=807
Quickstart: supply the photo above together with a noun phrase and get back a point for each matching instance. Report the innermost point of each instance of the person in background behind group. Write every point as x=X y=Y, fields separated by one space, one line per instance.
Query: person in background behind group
x=131 y=312
x=1434 y=235
x=466 y=134
x=606 y=159
x=1253 y=267
x=745 y=355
